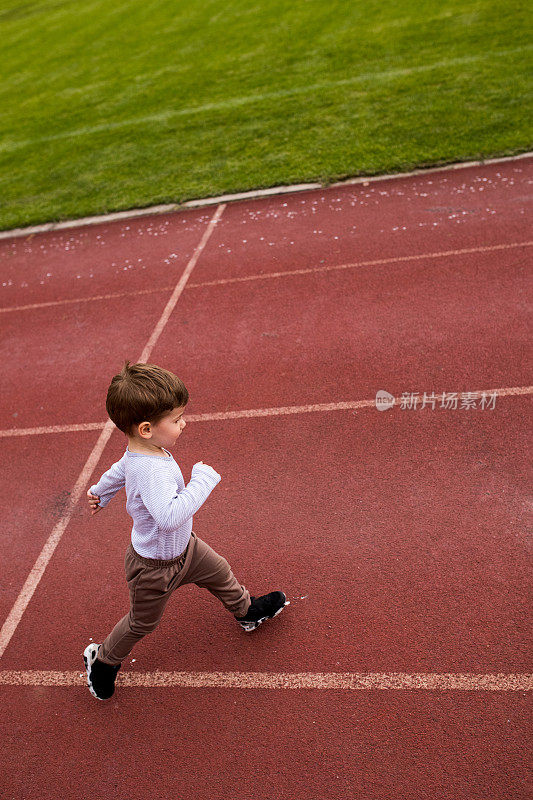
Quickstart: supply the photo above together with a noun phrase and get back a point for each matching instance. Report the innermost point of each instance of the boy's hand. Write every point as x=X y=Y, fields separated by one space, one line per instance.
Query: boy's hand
x=93 y=502
x=213 y=471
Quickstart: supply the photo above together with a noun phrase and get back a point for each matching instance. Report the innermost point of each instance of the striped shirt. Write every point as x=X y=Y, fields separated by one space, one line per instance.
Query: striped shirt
x=158 y=501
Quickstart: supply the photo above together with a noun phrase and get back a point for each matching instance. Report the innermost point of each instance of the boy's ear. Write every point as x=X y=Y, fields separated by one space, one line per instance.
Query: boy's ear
x=144 y=430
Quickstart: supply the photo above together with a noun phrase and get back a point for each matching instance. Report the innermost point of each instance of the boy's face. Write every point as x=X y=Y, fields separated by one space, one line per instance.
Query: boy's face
x=165 y=433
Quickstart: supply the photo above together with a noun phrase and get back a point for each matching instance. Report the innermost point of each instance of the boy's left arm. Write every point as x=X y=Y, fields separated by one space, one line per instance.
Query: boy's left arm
x=109 y=484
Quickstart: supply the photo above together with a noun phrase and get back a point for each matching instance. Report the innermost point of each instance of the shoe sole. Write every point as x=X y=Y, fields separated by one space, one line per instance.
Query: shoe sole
x=89 y=657
x=251 y=626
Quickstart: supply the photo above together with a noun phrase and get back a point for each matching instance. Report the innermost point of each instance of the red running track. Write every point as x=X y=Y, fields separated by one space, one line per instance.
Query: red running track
x=400 y=537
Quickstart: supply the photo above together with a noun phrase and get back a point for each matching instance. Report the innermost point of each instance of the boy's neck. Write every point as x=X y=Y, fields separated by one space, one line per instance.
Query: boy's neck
x=135 y=446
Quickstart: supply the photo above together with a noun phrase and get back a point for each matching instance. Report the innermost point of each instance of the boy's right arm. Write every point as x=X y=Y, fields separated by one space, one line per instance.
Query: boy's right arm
x=169 y=506
x=110 y=483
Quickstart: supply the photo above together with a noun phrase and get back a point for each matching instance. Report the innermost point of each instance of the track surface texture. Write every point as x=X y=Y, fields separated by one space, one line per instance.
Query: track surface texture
x=402 y=667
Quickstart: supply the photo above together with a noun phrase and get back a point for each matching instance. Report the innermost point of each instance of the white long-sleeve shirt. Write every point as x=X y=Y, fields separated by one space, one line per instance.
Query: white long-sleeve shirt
x=158 y=501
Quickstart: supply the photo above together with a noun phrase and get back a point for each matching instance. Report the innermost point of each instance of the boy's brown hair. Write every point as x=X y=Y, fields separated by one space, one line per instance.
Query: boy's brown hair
x=143 y=392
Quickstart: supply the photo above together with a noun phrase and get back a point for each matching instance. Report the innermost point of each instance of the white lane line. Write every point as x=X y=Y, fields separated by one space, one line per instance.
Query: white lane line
x=86 y=426
x=156 y=333
x=499 y=682
x=508 y=391
x=26 y=593
x=90 y=299
x=373 y=263
x=237 y=102
x=268 y=275
x=15 y=615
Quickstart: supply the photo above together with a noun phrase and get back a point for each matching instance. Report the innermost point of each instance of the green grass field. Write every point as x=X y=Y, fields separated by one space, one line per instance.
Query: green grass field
x=113 y=104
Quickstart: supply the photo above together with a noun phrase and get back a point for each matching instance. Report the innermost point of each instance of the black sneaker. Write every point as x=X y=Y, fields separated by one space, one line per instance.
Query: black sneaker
x=262 y=608
x=100 y=676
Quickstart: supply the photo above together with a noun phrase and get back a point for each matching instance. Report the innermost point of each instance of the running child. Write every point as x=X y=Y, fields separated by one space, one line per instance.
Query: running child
x=147 y=403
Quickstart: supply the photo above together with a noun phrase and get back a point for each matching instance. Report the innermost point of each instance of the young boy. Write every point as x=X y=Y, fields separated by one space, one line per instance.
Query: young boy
x=147 y=403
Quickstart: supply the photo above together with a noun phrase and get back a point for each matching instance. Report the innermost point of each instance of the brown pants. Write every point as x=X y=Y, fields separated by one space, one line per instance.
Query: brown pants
x=151 y=583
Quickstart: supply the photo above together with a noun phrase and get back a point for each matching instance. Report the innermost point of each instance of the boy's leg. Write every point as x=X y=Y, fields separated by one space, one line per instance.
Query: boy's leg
x=150 y=590
x=211 y=571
